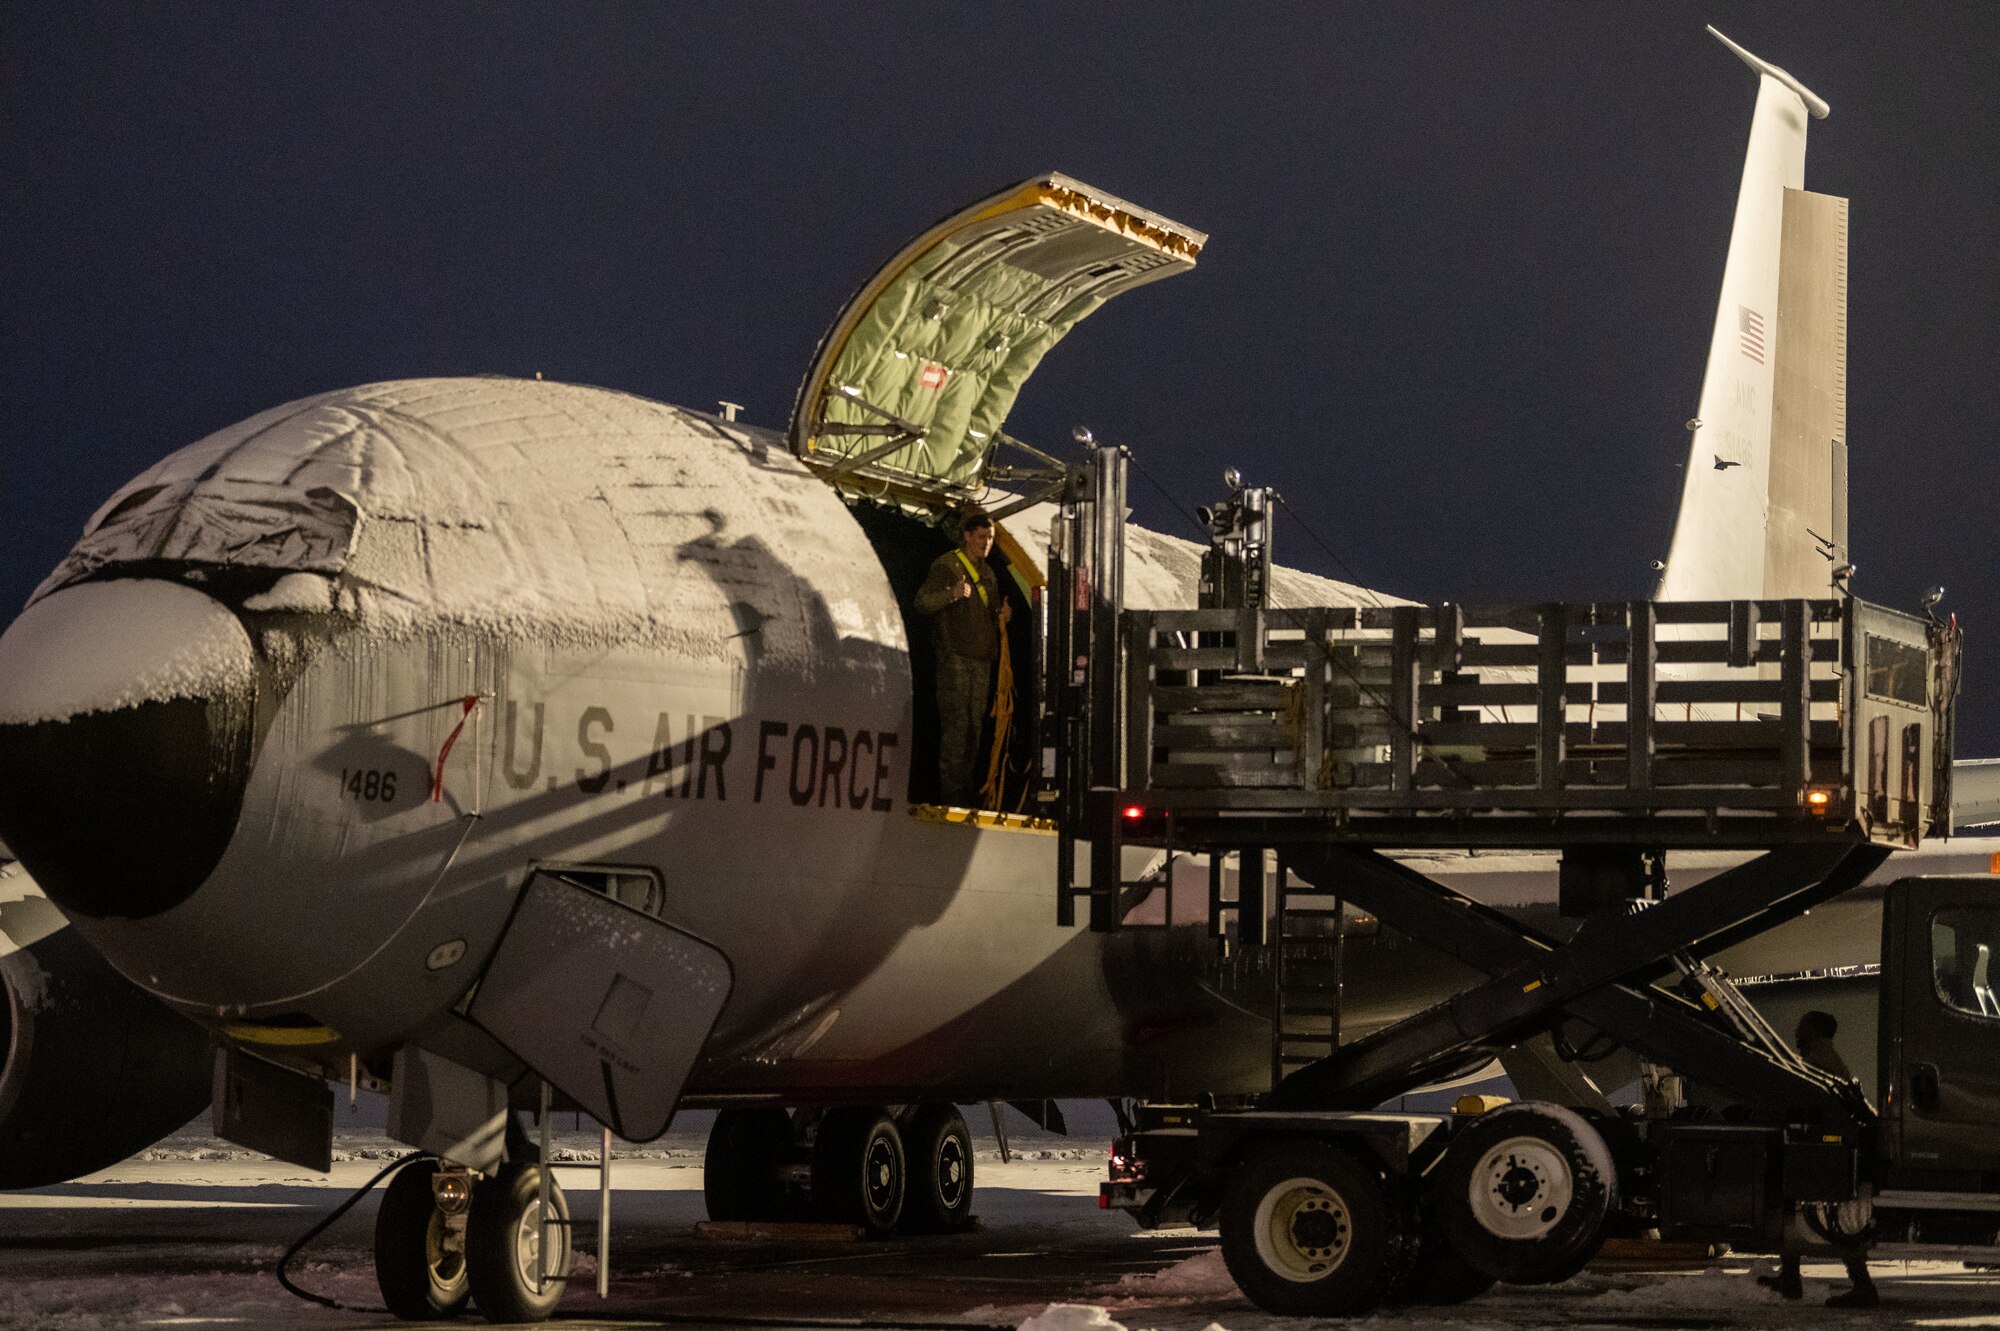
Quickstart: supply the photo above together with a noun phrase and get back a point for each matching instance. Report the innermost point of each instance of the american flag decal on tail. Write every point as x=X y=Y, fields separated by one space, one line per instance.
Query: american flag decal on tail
x=1750 y=333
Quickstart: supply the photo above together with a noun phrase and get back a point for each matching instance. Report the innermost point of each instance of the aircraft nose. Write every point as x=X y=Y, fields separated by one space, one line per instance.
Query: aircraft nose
x=126 y=738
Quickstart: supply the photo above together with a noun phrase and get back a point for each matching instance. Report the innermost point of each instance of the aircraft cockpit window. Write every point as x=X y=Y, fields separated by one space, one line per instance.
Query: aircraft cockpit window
x=1963 y=966
x=638 y=888
x=217 y=526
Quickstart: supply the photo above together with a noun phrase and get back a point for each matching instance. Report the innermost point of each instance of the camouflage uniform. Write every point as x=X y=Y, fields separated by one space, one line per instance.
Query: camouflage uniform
x=966 y=633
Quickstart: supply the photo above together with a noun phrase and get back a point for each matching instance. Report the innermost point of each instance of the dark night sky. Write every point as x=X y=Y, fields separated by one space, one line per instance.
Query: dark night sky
x=1463 y=265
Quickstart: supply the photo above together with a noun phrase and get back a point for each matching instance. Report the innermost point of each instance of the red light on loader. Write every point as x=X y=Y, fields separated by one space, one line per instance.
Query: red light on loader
x=1134 y=812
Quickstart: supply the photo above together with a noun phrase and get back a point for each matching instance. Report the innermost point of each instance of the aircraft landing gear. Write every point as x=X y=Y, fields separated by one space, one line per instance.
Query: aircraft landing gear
x=859 y=1171
x=514 y=1275
x=939 y=1147
x=420 y=1250
x=742 y=1175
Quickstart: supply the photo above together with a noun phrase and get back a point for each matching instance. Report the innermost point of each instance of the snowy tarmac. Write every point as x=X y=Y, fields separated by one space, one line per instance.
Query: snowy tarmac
x=179 y=1240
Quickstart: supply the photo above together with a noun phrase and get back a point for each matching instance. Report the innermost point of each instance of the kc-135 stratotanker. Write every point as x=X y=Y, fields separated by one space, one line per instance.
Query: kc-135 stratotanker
x=506 y=745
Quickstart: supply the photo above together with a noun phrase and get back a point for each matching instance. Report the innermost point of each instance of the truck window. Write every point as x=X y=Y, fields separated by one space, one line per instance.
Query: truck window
x=1963 y=944
x=1898 y=671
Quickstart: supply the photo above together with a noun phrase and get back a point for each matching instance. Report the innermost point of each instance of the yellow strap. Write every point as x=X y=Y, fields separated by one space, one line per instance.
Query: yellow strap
x=973 y=570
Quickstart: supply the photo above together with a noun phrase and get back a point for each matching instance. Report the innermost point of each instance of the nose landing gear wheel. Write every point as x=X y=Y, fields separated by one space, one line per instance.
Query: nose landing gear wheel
x=503 y=1237
x=940 y=1156
x=1523 y=1193
x=858 y=1169
x=419 y=1251
x=1307 y=1231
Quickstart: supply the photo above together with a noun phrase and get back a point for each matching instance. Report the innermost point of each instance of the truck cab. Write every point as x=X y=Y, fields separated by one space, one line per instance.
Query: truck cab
x=1940 y=1043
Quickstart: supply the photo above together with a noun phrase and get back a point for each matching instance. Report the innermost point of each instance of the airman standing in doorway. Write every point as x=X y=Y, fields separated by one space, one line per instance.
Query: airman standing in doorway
x=968 y=614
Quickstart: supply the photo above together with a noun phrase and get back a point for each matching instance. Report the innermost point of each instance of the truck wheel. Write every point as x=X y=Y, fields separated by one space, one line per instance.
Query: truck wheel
x=1523 y=1193
x=739 y=1174
x=1307 y=1230
x=419 y=1252
x=939 y=1146
x=858 y=1169
x=1439 y=1277
x=503 y=1237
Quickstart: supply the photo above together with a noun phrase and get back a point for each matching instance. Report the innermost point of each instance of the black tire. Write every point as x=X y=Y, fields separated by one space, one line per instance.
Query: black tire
x=739 y=1177
x=1439 y=1276
x=1308 y=1231
x=1523 y=1193
x=859 y=1174
x=501 y=1235
x=419 y=1258
x=938 y=1199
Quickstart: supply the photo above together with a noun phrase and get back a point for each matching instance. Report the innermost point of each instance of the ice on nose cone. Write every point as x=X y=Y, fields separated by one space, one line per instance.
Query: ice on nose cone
x=125 y=742
x=104 y=646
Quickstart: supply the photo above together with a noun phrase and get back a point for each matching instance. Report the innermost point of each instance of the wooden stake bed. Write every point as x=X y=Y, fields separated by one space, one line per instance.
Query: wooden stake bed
x=1731 y=723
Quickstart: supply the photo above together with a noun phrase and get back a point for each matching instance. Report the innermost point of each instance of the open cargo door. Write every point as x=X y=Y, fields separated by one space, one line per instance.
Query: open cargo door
x=912 y=384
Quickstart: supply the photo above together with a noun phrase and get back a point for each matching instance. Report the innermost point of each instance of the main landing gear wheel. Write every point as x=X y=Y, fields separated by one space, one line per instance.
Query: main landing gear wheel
x=419 y=1251
x=939 y=1147
x=858 y=1169
x=503 y=1236
x=739 y=1178
x=1308 y=1230
x=1524 y=1192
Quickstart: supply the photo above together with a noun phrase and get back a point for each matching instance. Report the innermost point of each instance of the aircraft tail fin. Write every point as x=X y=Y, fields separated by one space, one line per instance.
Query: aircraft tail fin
x=1764 y=505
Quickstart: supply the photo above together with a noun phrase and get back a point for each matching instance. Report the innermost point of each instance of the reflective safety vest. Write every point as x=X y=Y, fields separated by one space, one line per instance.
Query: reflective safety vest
x=972 y=572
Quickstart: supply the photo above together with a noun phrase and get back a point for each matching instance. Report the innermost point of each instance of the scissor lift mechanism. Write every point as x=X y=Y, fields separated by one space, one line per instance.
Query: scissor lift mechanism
x=1815 y=732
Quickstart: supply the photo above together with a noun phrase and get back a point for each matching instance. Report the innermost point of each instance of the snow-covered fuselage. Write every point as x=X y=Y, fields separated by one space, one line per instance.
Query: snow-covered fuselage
x=370 y=660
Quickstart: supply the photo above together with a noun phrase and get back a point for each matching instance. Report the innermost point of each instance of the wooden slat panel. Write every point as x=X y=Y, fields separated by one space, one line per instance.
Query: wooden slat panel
x=1520 y=618
x=1642 y=682
x=1138 y=755
x=1551 y=676
x=1384 y=616
x=1170 y=776
x=1226 y=731
x=1522 y=735
x=1193 y=658
x=1717 y=612
x=1311 y=723
x=1449 y=640
x=1691 y=612
x=1719 y=691
x=1525 y=655
x=1739 y=734
x=1469 y=775
x=1279 y=657
x=1484 y=734
x=1231 y=696
x=1250 y=640
x=1194 y=621
x=1478 y=693
x=1795 y=722
x=1717 y=651
x=1403 y=697
x=1672 y=770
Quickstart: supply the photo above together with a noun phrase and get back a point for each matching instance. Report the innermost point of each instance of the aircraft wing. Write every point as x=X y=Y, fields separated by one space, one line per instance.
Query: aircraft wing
x=915 y=379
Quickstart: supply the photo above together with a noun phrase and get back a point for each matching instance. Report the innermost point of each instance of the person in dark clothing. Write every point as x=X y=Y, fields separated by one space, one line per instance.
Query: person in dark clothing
x=1814 y=1041
x=961 y=596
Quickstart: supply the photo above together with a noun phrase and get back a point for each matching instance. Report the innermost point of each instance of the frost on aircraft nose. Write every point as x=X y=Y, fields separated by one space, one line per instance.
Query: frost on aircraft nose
x=125 y=742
